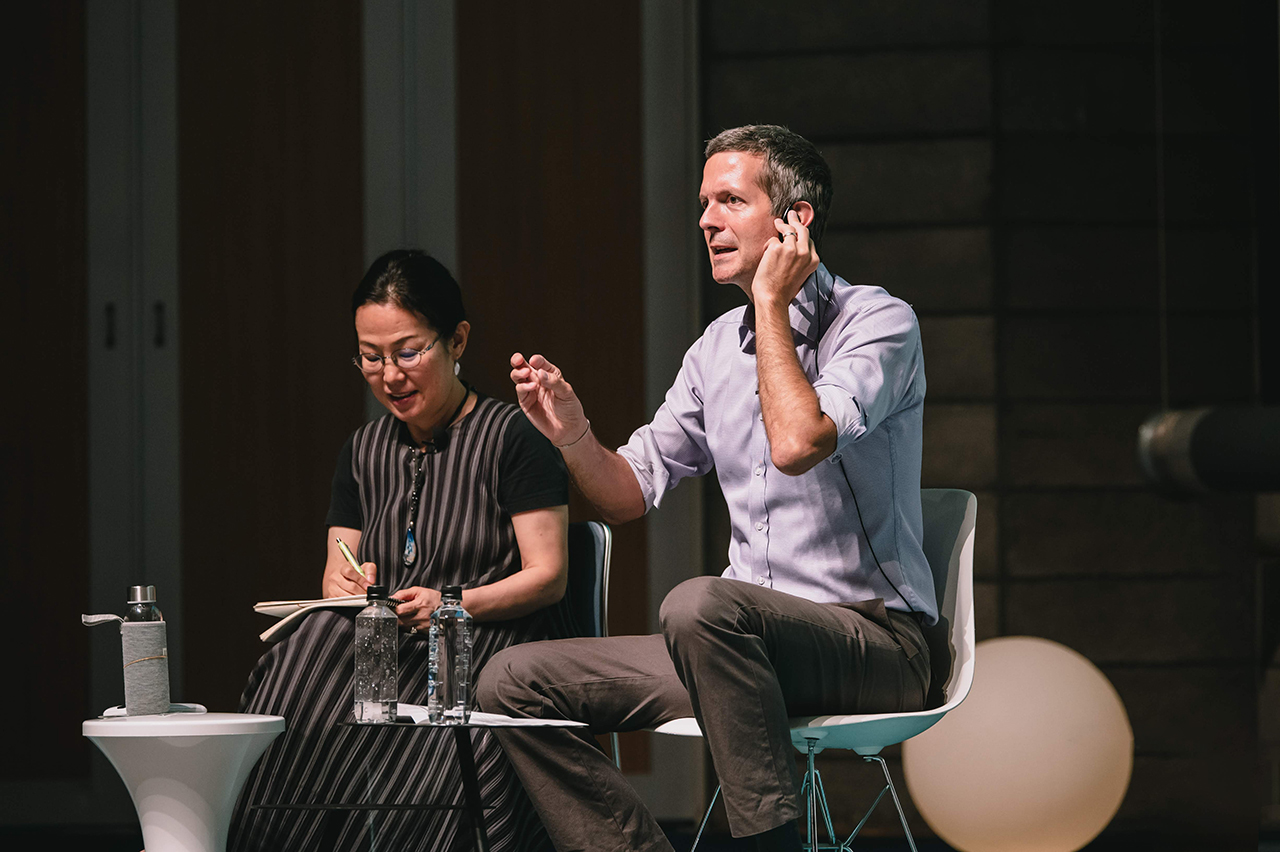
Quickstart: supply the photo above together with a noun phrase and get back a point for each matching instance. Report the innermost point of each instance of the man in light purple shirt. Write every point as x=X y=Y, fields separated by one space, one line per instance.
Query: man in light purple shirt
x=808 y=403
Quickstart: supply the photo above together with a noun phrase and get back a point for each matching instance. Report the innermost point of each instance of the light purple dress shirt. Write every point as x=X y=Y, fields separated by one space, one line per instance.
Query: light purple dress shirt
x=860 y=349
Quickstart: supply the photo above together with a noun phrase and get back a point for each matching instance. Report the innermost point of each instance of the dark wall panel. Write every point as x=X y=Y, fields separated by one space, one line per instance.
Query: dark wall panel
x=756 y=26
x=550 y=243
x=270 y=211
x=1103 y=134
x=944 y=270
x=997 y=164
x=44 y=452
x=883 y=93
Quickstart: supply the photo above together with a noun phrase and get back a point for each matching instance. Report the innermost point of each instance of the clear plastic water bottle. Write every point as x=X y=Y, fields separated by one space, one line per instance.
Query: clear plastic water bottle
x=449 y=666
x=377 y=661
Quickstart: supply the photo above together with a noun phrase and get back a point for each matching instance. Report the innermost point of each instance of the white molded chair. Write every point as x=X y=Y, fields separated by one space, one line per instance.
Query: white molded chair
x=950 y=517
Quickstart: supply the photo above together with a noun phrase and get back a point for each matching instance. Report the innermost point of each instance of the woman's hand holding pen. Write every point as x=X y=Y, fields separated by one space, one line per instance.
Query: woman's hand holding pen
x=415 y=611
x=343 y=575
x=348 y=582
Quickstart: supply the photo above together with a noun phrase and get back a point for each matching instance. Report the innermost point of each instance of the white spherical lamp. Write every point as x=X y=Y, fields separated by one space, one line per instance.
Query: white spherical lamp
x=1036 y=759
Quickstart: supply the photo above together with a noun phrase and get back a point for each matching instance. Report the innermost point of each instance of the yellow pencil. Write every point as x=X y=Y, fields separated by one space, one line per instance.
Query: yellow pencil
x=346 y=552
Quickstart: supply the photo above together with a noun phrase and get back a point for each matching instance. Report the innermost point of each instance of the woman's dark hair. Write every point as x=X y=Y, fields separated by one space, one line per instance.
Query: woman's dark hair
x=416 y=281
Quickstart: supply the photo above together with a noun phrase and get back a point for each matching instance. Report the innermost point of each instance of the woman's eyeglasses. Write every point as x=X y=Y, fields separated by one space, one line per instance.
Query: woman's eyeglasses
x=406 y=359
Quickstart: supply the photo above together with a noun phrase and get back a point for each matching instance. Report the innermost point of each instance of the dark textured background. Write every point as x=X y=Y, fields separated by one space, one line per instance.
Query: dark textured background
x=995 y=165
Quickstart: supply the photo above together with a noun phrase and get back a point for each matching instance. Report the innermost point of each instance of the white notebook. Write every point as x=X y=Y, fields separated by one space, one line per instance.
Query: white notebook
x=291 y=613
x=418 y=714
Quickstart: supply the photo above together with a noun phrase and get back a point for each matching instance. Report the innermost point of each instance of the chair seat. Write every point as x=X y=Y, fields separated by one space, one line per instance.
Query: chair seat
x=865 y=734
x=686 y=727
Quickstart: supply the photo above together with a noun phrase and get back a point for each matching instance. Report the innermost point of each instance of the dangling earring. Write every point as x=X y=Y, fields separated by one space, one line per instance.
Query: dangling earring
x=457 y=368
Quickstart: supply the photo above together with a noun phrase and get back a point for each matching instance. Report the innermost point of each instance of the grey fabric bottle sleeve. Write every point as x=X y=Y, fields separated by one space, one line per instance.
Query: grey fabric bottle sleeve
x=146 y=667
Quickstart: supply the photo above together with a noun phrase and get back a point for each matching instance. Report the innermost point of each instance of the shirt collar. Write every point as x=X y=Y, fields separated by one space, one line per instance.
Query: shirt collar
x=802 y=311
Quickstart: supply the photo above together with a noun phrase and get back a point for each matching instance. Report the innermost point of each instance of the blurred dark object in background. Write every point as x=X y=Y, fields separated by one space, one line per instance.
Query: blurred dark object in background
x=1199 y=450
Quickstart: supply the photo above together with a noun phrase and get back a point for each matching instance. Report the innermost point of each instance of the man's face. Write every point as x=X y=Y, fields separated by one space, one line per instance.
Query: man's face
x=737 y=216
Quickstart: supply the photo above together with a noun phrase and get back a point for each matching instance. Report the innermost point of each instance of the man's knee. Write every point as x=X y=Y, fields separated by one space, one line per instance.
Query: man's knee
x=502 y=686
x=693 y=606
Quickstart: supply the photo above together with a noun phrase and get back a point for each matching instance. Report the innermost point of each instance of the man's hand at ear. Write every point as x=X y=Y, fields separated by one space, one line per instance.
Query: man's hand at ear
x=800 y=435
x=788 y=260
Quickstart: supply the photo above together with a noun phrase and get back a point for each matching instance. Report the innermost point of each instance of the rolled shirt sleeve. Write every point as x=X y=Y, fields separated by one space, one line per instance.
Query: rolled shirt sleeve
x=869 y=367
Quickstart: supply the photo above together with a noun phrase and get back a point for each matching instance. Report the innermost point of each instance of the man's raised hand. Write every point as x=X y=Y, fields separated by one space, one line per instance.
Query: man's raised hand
x=547 y=399
x=788 y=260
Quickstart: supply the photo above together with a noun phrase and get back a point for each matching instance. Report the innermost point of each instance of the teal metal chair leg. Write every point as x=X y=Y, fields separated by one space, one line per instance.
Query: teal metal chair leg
x=705 y=818
x=892 y=791
x=867 y=815
x=814 y=796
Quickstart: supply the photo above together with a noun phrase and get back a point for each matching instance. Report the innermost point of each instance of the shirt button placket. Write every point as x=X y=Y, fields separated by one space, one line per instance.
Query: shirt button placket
x=757 y=507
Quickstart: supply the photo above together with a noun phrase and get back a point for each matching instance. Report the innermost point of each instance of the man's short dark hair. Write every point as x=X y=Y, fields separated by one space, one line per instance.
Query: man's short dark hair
x=793 y=168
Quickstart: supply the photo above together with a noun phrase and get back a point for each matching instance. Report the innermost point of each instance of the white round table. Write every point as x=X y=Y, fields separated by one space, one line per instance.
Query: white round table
x=184 y=771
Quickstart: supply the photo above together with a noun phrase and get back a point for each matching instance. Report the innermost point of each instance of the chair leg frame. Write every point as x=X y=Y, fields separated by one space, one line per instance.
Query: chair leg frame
x=706 y=817
x=888 y=786
x=814 y=796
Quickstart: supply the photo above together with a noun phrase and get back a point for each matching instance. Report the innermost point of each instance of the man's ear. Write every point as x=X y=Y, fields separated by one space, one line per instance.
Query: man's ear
x=805 y=210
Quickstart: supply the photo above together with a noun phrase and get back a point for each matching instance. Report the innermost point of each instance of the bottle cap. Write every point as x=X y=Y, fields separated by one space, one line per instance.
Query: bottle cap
x=142 y=594
x=451 y=592
x=376 y=593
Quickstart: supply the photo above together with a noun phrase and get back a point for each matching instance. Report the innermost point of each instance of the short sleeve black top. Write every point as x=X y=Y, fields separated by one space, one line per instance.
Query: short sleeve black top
x=531 y=475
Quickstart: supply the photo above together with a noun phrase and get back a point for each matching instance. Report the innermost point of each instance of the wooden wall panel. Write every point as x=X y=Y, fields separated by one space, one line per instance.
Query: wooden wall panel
x=270 y=205
x=44 y=472
x=550 y=243
x=550 y=215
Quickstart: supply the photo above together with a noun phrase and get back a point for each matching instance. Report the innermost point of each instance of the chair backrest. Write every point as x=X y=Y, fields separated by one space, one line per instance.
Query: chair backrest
x=950 y=517
x=583 y=611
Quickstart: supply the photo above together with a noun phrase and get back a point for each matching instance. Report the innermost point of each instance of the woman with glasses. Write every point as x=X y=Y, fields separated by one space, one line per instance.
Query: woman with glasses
x=449 y=487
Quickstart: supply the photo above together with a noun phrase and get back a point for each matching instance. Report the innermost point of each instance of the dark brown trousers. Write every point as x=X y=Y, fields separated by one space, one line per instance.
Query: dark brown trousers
x=740 y=658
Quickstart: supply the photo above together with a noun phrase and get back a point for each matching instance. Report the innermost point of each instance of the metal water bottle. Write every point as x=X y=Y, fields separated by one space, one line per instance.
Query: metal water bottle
x=377 y=659
x=449 y=665
x=145 y=644
x=142 y=605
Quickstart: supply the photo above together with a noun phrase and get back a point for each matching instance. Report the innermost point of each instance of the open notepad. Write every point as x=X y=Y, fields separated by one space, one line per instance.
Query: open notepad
x=418 y=714
x=291 y=613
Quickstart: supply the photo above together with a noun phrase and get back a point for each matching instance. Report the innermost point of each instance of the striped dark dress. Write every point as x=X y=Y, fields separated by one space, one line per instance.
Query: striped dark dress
x=464 y=537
